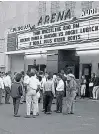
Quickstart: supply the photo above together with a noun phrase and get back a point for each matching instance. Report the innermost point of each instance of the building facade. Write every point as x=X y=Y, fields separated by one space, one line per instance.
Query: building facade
x=55 y=35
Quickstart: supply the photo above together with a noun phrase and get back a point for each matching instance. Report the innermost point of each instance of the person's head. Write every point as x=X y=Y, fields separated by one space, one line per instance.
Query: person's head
x=33 y=73
x=22 y=72
x=15 y=73
x=69 y=71
x=0 y=74
x=33 y=69
x=50 y=76
x=6 y=74
x=62 y=72
x=83 y=77
x=46 y=74
x=68 y=78
x=18 y=77
x=93 y=75
x=9 y=72
x=41 y=73
x=27 y=73
x=40 y=78
x=59 y=76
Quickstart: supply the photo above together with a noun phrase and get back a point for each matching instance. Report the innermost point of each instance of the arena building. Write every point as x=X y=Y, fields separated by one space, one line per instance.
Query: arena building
x=53 y=36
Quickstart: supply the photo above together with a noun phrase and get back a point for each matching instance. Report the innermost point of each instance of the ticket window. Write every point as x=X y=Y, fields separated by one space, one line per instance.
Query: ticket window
x=39 y=67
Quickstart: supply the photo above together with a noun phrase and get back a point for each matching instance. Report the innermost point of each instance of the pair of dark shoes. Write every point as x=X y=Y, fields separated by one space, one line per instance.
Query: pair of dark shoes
x=7 y=102
x=68 y=113
x=15 y=115
x=57 y=111
x=43 y=110
x=48 y=112
x=29 y=116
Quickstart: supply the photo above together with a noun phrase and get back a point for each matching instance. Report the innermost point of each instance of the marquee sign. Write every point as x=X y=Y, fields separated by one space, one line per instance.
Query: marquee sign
x=65 y=33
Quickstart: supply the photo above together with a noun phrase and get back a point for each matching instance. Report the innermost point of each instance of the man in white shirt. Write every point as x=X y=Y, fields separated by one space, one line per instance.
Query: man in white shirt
x=33 y=86
x=59 y=94
x=1 y=87
x=7 y=85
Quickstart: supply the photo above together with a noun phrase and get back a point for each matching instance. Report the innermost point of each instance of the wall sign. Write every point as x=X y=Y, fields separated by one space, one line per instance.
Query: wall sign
x=90 y=12
x=21 y=28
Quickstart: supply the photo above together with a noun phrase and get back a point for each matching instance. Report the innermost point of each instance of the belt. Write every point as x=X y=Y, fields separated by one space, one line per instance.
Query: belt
x=32 y=88
x=6 y=86
x=60 y=91
x=49 y=91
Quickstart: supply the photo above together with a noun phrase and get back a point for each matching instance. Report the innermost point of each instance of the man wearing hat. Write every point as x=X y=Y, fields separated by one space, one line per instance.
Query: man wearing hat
x=70 y=94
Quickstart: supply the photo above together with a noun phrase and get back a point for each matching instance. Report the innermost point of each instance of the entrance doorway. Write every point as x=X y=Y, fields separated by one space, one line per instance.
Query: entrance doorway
x=67 y=59
x=86 y=71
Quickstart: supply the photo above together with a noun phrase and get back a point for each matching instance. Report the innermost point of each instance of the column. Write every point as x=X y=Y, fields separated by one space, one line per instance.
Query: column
x=8 y=63
x=52 y=61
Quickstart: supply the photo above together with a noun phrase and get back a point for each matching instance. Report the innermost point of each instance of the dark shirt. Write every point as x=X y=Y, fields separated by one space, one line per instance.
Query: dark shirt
x=64 y=80
x=16 y=90
x=92 y=80
x=96 y=83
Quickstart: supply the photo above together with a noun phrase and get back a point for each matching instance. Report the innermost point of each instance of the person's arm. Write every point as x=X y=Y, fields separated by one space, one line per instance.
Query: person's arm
x=53 y=88
x=38 y=86
x=9 y=82
x=72 y=86
x=84 y=81
x=43 y=87
x=2 y=84
x=20 y=90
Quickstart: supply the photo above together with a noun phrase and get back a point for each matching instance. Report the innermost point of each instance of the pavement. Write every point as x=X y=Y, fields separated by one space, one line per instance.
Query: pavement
x=84 y=121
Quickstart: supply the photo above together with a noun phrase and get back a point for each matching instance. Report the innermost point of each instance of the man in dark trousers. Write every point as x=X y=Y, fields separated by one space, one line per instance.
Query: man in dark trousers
x=59 y=93
x=16 y=93
x=64 y=78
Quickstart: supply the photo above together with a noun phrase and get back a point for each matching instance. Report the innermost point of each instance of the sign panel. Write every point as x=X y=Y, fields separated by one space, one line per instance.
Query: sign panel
x=24 y=40
x=21 y=28
x=63 y=33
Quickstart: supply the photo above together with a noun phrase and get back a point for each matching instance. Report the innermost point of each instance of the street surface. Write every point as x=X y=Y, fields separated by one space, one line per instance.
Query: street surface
x=84 y=121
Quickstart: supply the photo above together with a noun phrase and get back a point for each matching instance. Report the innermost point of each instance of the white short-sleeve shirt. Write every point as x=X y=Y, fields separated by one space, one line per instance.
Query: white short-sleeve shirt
x=34 y=82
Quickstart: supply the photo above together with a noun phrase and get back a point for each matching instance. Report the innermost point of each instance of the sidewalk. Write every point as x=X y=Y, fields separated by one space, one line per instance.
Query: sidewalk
x=84 y=121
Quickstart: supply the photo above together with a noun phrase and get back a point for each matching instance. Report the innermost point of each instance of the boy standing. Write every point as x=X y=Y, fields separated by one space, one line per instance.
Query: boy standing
x=16 y=93
x=59 y=94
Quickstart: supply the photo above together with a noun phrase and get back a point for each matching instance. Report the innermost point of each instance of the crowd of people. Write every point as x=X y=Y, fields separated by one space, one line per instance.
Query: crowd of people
x=34 y=87
x=93 y=84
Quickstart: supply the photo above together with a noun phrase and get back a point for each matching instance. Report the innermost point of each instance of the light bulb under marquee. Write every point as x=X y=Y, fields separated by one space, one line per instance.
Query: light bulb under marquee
x=37 y=56
x=88 y=52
